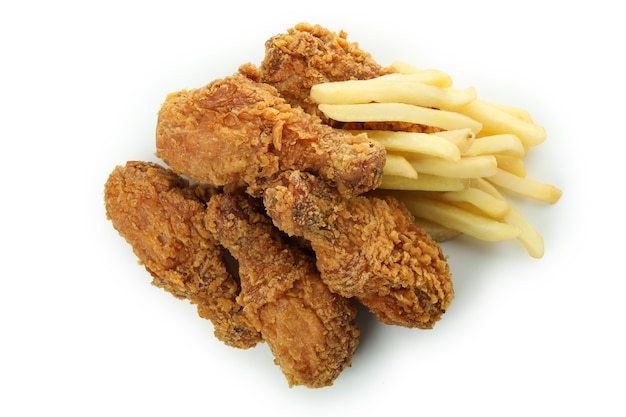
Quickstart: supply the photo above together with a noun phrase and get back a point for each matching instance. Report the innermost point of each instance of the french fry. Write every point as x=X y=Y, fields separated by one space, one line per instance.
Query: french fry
x=423 y=182
x=495 y=121
x=462 y=138
x=426 y=76
x=513 y=111
x=511 y=164
x=488 y=204
x=467 y=222
x=526 y=187
x=397 y=165
x=529 y=237
x=419 y=143
x=399 y=112
x=470 y=167
x=389 y=91
x=504 y=144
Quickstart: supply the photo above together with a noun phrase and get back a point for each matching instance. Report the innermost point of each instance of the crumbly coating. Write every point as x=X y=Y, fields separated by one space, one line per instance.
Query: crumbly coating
x=162 y=217
x=310 y=330
x=236 y=131
x=366 y=247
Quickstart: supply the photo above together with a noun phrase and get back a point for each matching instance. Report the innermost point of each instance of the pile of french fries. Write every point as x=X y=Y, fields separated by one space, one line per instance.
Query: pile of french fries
x=452 y=178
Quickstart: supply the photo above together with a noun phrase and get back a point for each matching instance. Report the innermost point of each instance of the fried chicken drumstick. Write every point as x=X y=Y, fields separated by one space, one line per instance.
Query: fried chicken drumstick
x=236 y=131
x=366 y=247
x=311 y=331
x=162 y=217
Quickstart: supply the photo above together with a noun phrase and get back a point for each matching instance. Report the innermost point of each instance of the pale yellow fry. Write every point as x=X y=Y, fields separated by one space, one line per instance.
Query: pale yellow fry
x=511 y=164
x=529 y=237
x=526 y=187
x=461 y=138
x=424 y=182
x=497 y=121
x=485 y=202
x=513 y=111
x=487 y=187
x=456 y=218
x=470 y=167
x=505 y=144
x=398 y=165
x=427 y=76
x=389 y=91
x=413 y=142
x=399 y=112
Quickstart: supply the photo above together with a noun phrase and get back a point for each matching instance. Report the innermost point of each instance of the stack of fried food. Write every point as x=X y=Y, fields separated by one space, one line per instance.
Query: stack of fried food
x=263 y=213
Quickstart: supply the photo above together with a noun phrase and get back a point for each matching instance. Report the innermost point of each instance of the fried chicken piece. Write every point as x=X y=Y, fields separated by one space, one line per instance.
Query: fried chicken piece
x=239 y=132
x=162 y=217
x=366 y=247
x=311 y=331
x=310 y=54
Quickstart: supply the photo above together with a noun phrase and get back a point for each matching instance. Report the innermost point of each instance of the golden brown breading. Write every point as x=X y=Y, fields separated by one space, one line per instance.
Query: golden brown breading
x=366 y=247
x=311 y=331
x=239 y=132
x=310 y=54
x=161 y=216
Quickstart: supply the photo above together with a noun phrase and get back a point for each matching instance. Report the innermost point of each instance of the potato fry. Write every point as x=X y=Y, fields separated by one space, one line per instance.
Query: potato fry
x=511 y=164
x=526 y=187
x=488 y=204
x=397 y=165
x=426 y=76
x=470 y=167
x=399 y=112
x=424 y=182
x=495 y=121
x=456 y=218
x=513 y=111
x=529 y=237
x=413 y=142
x=389 y=91
x=505 y=144
x=462 y=138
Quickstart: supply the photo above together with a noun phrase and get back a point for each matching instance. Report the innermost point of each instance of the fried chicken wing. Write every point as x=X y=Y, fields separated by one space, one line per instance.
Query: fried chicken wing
x=239 y=132
x=366 y=247
x=310 y=54
x=162 y=217
x=311 y=331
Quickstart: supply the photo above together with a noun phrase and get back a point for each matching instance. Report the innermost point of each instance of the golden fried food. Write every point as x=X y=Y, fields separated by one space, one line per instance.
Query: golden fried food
x=239 y=132
x=311 y=331
x=162 y=217
x=310 y=54
x=366 y=247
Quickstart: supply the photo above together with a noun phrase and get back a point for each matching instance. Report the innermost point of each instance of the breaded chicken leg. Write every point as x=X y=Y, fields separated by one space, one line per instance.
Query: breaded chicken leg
x=311 y=331
x=310 y=54
x=366 y=247
x=162 y=217
x=239 y=132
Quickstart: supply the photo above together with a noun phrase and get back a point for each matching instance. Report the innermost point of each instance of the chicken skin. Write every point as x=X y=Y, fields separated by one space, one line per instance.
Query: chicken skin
x=366 y=247
x=162 y=217
x=311 y=331
x=239 y=132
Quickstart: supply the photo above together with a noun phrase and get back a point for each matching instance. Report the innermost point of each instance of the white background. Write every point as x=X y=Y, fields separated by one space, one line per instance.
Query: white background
x=84 y=333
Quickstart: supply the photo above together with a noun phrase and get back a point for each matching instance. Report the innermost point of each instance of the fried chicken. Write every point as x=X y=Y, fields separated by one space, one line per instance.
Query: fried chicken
x=238 y=132
x=311 y=331
x=310 y=54
x=162 y=217
x=366 y=247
